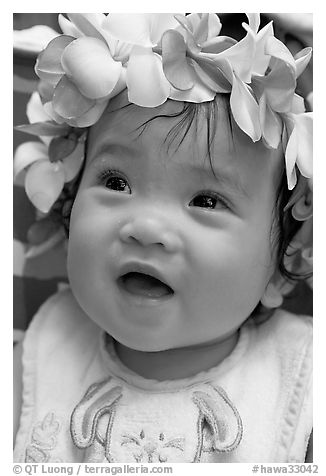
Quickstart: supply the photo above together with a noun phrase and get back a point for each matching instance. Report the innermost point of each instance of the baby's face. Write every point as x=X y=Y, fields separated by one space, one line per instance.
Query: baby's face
x=162 y=253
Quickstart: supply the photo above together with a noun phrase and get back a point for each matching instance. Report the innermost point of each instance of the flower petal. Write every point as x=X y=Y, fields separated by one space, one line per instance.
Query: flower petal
x=67 y=27
x=217 y=45
x=254 y=21
x=89 y=64
x=208 y=27
x=68 y=102
x=279 y=86
x=95 y=112
x=27 y=153
x=187 y=24
x=175 y=65
x=298 y=105
x=240 y=56
x=245 y=109
x=304 y=126
x=291 y=153
x=147 y=84
x=89 y=117
x=43 y=184
x=302 y=59
x=45 y=90
x=142 y=29
x=211 y=74
x=159 y=23
x=72 y=164
x=261 y=60
x=277 y=49
x=34 y=110
x=198 y=93
x=89 y=24
x=214 y=25
x=271 y=124
x=48 y=108
x=48 y=64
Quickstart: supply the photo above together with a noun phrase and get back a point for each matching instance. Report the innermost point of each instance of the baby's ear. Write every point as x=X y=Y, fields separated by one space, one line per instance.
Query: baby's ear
x=273 y=295
x=298 y=261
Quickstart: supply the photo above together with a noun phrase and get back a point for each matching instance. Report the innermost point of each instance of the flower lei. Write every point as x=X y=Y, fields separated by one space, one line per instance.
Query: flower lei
x=160 y=56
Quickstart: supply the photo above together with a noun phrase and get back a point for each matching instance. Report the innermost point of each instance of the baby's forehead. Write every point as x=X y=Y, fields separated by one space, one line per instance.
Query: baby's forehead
x=192 y=135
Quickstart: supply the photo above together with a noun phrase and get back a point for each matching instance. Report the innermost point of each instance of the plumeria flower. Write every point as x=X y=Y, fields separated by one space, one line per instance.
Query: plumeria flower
x=145 y=78
x=85 y=67
x=193 y=77
x=275 y=89
x=199 y=63
x=49 y=164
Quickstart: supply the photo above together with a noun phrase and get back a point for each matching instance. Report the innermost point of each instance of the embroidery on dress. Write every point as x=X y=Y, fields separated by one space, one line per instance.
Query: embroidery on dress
x=96 y=419
x=147 y=450
x=43 y=441
x=219 y=424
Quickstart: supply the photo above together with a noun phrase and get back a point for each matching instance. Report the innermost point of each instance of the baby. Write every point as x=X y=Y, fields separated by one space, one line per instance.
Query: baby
x=160 y=350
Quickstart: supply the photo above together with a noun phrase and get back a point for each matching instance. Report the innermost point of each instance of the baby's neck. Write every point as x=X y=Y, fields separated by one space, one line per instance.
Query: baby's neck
x=176 y=363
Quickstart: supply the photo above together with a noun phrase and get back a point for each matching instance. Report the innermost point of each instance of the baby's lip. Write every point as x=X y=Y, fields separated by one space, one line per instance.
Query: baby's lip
x=144 y=280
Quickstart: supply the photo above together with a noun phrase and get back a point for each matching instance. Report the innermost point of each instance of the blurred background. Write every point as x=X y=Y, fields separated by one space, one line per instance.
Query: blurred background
x=37 y=278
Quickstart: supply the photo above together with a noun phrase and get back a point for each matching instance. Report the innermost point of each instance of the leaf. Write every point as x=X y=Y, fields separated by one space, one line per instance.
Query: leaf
x=41 y=230
x=46 y=245
x=73 y=162
x=46 y=128
x=61 y=147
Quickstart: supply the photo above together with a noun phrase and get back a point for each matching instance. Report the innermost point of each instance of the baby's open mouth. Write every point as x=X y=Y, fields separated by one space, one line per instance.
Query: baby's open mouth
x=144 y=285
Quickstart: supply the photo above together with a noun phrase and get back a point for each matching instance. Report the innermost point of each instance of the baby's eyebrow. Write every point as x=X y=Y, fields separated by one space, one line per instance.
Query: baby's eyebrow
x=224 y=178
x=115 y=148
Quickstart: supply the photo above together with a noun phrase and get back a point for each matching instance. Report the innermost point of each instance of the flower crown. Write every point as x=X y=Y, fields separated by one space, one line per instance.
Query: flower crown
x=160 y=56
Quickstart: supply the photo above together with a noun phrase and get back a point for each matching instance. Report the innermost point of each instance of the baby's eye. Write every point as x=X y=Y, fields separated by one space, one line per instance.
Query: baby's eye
x=116 y=182
x=208 y=200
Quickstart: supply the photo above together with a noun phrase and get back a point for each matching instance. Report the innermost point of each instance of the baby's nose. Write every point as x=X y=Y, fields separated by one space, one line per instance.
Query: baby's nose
x=148 y=231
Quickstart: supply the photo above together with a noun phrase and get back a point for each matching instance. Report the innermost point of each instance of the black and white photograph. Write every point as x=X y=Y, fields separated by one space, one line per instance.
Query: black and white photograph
x=163 y=240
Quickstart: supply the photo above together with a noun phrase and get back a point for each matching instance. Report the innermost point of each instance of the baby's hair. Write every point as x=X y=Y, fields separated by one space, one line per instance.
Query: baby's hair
x=284 y=226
